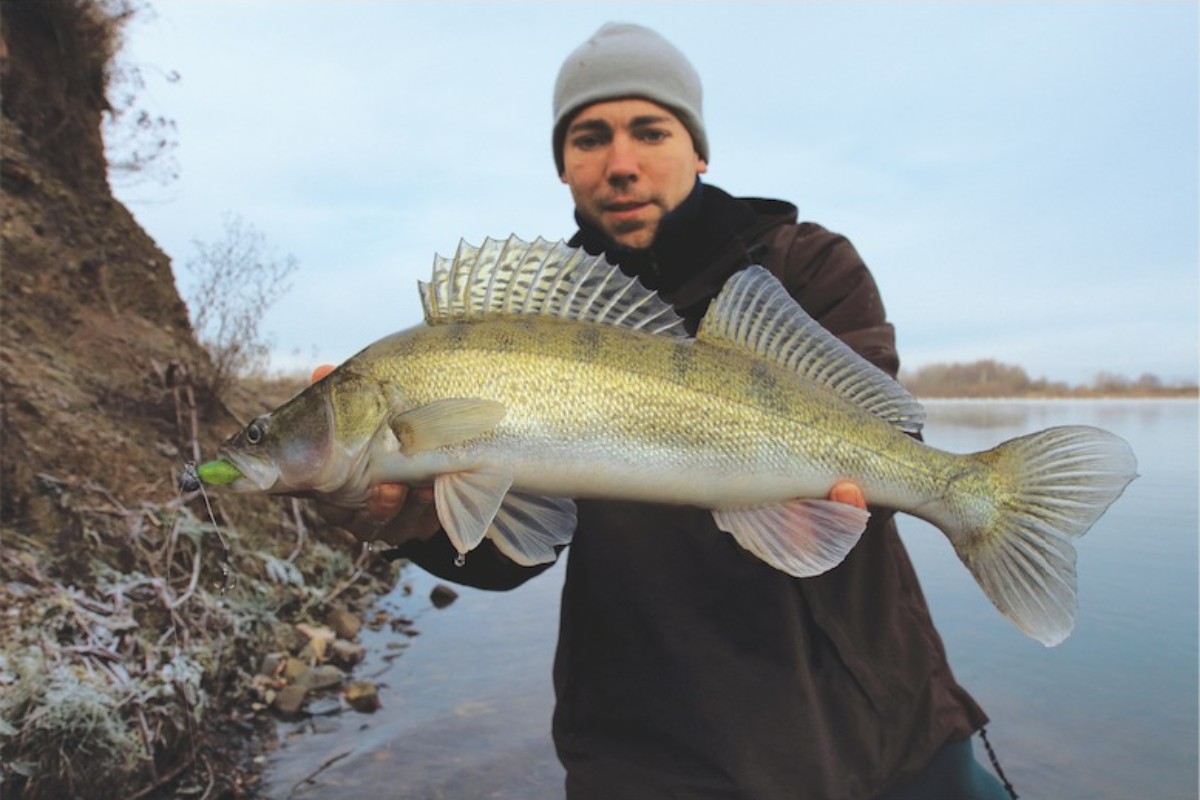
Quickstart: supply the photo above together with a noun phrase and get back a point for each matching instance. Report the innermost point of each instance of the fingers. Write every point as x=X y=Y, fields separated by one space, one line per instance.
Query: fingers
x=386 y=500
x=849 y=493
x=394 y=514
x=321 y=372
x=403 y=513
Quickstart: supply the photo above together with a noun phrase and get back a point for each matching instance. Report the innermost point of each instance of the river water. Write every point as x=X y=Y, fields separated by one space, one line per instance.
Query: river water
x=1109 y=714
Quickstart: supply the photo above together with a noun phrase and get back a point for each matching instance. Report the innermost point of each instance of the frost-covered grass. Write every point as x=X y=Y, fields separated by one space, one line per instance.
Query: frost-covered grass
x=129 y=643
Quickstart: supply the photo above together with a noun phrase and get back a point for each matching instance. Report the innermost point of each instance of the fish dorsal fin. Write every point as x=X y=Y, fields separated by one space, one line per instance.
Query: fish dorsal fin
x=754 y=312
x=541 y=278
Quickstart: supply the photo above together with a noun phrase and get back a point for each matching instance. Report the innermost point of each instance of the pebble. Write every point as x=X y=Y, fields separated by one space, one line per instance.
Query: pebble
x=345 y=624
x=363 y=696
x=347 y=653
x=442 y=596
x=290 y=699
x=321 y=677
x=324 y=706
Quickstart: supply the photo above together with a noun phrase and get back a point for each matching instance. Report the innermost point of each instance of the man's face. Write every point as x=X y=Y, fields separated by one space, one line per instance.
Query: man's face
x=628 y=162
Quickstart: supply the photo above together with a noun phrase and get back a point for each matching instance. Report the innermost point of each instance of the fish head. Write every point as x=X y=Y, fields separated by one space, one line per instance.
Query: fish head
x=314 y=444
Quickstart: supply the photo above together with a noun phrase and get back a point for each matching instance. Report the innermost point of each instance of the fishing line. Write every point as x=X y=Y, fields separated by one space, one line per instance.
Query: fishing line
x=189 y=481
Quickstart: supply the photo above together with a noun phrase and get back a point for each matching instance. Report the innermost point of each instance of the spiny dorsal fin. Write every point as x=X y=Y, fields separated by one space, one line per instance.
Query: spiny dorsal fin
x=754 y=312
x=514 y=277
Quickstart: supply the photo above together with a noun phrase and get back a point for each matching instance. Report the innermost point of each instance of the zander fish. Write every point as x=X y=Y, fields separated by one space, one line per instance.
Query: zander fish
x=544 y=374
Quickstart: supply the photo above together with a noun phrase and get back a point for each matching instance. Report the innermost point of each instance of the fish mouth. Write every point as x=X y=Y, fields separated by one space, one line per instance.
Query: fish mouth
x=239 y=474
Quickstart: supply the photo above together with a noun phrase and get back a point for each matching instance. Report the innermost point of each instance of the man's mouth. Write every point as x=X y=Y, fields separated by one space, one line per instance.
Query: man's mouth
x=625 y=207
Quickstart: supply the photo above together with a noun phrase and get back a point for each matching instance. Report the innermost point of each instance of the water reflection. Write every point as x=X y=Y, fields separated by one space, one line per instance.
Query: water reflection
x=1111 y=713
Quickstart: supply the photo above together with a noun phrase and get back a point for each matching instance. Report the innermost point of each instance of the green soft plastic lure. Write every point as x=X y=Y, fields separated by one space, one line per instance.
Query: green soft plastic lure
x=218 y=473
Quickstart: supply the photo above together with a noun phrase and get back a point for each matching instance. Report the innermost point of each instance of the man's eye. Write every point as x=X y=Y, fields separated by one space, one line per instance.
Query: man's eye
x=652 y=136
x=586 y=142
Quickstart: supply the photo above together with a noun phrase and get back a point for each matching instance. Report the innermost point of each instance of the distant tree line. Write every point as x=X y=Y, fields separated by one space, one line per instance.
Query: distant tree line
x=989 y=378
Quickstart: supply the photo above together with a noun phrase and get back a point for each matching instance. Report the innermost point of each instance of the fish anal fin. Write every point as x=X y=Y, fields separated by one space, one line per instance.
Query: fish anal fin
x=445 y=422
x=467 y=503
x=800 y=537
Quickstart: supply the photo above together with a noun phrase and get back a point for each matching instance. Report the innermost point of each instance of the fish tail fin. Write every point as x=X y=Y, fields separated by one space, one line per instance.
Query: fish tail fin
x=1046 y=490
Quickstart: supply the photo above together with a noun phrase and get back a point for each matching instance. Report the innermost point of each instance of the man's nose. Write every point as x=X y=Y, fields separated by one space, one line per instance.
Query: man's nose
x=622 y=161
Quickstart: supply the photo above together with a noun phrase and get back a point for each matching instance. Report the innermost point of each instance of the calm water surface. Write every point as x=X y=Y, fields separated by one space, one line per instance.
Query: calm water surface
x=1111 y=713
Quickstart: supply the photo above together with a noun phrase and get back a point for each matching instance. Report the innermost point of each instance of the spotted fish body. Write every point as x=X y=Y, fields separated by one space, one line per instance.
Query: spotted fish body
x=543 y=374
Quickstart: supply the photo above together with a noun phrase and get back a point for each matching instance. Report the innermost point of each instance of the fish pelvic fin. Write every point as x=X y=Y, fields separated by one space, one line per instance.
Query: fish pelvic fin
x=1047 y=489
x=513 y=277
x=466 y=504
x=527 y=528
x=755 y=312
x=801 y=537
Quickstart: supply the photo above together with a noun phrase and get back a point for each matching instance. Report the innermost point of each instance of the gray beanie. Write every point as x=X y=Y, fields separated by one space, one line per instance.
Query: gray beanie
x=624 y=60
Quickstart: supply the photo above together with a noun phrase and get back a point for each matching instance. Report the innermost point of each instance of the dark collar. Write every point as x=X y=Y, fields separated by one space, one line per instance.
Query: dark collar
x=687 y=238
x=699 y=244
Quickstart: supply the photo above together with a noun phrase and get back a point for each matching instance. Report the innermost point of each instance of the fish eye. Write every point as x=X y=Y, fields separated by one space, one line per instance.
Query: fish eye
x=255 y=431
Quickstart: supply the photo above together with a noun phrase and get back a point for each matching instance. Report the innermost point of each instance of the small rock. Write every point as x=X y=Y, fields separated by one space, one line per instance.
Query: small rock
x=293 y=669
x=319 y=638
x=343 y=623
x=321 y=677
x=442 y=596
x=347 y=653
x=324 y=706
x=290 y=699
x=363 y=696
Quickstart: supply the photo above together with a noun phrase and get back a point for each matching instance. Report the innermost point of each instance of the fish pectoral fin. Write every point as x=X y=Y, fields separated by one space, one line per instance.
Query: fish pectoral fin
x=445 y=422
x=801 y=537
x=528 y=528
x=467 y=503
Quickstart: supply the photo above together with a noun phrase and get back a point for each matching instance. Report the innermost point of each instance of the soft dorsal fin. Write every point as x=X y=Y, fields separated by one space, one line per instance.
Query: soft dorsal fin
x=540 y=278
x=754 y=312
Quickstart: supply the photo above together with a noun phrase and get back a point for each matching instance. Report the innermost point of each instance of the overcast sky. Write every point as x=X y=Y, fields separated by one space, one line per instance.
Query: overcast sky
x=1020 y=177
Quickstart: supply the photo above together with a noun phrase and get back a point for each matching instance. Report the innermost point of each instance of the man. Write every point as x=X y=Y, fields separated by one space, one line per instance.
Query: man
x=685 y=668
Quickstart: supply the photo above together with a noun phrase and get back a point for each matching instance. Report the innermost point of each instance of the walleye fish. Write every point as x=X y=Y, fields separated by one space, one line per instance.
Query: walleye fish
x=543 y=374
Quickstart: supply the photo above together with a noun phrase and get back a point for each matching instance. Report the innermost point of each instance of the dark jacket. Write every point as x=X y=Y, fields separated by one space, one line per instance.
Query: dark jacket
x=686 y=668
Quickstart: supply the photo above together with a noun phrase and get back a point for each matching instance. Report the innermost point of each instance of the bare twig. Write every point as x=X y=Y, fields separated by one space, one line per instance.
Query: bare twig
x=165 y=778
x=300 y=530
x=183 y=598
x=312 y=775
x=147 y=742
x=359 y=564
